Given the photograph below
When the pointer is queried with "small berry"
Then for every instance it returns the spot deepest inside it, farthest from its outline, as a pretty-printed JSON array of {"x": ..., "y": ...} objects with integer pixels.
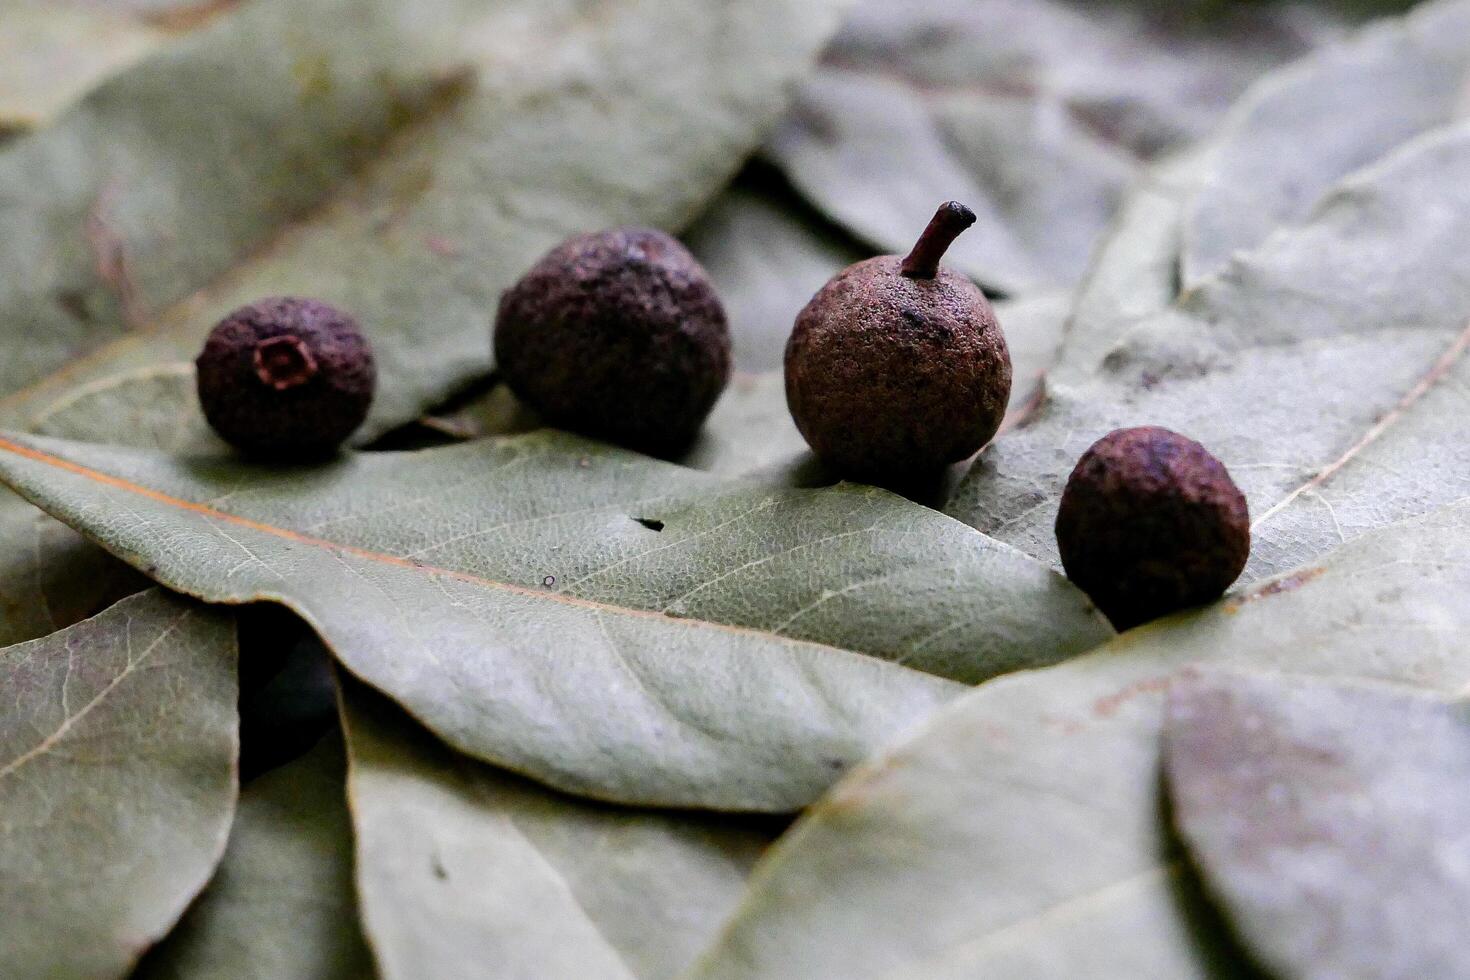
[
  {"x": 618, "y": 335},
  {"x": 897, "y": 367},
  {"x": 1151, "y": 523},
  {"x": 286, "y": 378}
]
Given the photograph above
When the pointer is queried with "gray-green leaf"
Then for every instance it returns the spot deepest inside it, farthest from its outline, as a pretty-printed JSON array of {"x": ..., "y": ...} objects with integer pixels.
[
  {"x": 1330, "y": 818},
  {"x": 465, "y": 870},
  {"x": 606, "y": 623},
  {"x": 1036, "y": 113},
  {"x": 51, "y": 577},
  {"x": 767, "y": 262},
  {"x": 117, "y": 783},
  {"x": 1021, "y": 833},
  {"x": 1301, "y": 130},
  {"x": 282, "y": 902}
]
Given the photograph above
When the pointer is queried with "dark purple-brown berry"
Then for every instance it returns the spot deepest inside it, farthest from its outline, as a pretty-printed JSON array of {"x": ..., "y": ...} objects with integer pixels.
[
  {"x": 286, "y": 378},
  {"x": 897, "y": 367},
  {"x": 618, "y": 335},
  {"x": 1151, "y": 523}
]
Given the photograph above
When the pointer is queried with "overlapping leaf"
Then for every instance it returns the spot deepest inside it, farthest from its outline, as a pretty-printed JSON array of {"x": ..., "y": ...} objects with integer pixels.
[
  {"x": 1135, "y": 271},
  {"x": 117, "y": 783},
  {"x": 1300, "y": 131},
  {"x": 1330, "y": 818},
  {"x": 461, "y": 866},
  {"x": 281, "y": 903},
  {"x": 1324, "y": 368},
  {"x": 1021, "y": 833},
  {"x": 605, "y": 623},
  {"x": 1037, "y": 113},
  {"x": 414, "y": 167},
  {"x": 50, "y": 577},
  {"x": 766, "y": 260}
]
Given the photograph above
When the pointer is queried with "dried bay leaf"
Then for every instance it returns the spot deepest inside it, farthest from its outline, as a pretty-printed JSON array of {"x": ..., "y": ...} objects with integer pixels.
[
  {"x": 461, "y": 866},
  {"x": 1300, "y": 130},
  {"x": 117, "y": 782},
  {"x": 1138, "y": 269},
  {"x": 766, "y": 261},
  {"x": 1329, "y": 818},
  {"x": 1021, "y": 832},
  {"x": 610, "y": 625},
  {"x": 838, "y": 144},
  {"x": 51, "y": 577},
  {"x": 281, "y": 903},
  {"x": 1036, "y": 114},
  {"x": 1135, "y": 272}
]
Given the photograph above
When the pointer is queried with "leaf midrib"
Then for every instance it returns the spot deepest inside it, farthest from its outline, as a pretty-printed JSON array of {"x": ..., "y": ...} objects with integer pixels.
[
  {"x": 1437, "y": 372},
  {"x": 378, "y": 557}
]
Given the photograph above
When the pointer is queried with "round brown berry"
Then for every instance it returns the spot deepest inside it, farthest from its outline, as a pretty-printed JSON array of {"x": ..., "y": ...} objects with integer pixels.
[
  {"x": 897, "y": 367},
  {"x": 286, "y": 378},
  {"x": 618, "y": 335},
  {"x": 1151, "y": 523}
]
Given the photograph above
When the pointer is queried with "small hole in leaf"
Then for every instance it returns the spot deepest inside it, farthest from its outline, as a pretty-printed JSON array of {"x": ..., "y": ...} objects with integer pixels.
[
  {"x": 650, "y": 523},
  {"x": 74, "y": 303}
]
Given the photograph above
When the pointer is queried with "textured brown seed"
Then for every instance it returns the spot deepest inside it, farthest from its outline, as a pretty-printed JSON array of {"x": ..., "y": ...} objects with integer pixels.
[
  {"x": 618, "y": 335},
  {"x": 286, "y": 378},
  {"x": 1151, "y": 523},
  {"x": 897, "y": 367}
]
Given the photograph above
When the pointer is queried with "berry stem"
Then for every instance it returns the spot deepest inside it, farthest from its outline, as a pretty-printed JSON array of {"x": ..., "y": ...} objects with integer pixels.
[{"x": 946, "y": 225}]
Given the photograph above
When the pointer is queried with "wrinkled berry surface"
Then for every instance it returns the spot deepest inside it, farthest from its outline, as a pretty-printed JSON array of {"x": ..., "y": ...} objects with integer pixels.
[
  {"x": 286, "y": 378},
  {"x": 1151, "y": 523},
  {"x": 891, "y": 378},
  {"x": 618, "y": 335}
]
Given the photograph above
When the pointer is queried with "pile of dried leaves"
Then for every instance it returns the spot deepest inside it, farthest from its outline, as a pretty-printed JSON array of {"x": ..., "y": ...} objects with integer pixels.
[{"x": 579, "y": 694}]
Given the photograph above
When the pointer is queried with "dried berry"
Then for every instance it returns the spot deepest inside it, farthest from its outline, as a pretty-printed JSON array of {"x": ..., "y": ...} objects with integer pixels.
[
  {"x": 286, "y": 378},
  {"x": 897, "y": 367},
  {"x": 1151, "y": 523},
  {"x": 618, "y": 335}
]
